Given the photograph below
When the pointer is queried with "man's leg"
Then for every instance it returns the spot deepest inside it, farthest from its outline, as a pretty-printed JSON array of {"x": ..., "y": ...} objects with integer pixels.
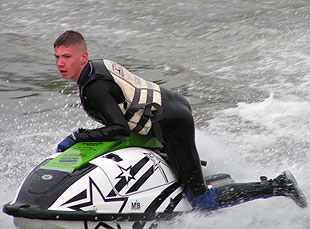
[
  {"x": 186, "y": 165},
  {"x": 283, "y": 185}
]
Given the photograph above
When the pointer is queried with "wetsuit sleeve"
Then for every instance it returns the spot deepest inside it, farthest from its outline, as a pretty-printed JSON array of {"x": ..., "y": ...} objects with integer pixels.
[{"x": 102, "y": 95}]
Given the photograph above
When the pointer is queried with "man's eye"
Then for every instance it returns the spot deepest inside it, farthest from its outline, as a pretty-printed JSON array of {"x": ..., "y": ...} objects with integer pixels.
[{"x": 66, "y": 57}]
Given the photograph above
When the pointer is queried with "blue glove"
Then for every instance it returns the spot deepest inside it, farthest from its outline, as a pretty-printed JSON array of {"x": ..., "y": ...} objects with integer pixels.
[{"x": 66, "y": 143}]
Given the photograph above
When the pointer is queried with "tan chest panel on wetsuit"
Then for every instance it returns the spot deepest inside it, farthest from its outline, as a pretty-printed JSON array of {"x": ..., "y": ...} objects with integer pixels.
[{"x": 142, "y": 97}]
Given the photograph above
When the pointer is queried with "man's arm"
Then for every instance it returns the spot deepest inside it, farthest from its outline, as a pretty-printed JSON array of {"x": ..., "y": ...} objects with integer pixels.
[{"x": 104, "y": 96}]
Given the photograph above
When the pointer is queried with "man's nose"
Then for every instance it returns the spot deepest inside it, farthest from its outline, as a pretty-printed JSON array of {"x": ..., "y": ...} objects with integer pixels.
[{"x": 60, "y": 62}]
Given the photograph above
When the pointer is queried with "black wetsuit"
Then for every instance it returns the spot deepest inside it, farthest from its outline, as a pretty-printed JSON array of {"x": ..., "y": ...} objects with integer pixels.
[
  {"x": 177, "y": 126},
  {"x": 102, "y": 96}
]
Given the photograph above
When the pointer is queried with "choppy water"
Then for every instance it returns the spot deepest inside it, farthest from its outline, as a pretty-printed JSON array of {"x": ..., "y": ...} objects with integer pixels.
[{"x": 244, "y": 66}]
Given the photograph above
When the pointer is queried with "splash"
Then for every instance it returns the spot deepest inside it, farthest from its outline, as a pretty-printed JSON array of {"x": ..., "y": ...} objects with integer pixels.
[{"x": 284, "y": 117}]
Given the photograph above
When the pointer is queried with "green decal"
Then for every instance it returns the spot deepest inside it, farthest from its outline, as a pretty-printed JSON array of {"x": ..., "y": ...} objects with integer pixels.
[
  {"x": 78, "y": 155},
  {"x": 83, "y": 152}
]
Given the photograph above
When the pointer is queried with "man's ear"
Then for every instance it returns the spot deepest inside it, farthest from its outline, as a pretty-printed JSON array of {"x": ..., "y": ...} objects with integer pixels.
[{"x": 84, "y": 58}]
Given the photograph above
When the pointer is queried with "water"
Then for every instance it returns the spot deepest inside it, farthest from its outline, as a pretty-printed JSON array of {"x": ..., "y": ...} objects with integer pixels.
[{"x": 243, "y": 65}]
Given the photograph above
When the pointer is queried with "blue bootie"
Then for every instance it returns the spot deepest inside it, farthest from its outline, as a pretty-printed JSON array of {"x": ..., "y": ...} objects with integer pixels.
[{"x": 205, "y": 202}]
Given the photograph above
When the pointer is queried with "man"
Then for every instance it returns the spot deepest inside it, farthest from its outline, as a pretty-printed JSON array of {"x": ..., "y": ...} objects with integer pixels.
[{"x": 124, "y": 102}]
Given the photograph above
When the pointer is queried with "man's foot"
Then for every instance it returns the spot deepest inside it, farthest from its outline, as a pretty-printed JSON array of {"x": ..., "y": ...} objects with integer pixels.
[
  {"x": 205, "y": 202},
  {"x": 286, "y": 185}
]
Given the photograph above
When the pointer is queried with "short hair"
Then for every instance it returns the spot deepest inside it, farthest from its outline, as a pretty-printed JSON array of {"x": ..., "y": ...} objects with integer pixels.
[{"x": 70, "y": 37}]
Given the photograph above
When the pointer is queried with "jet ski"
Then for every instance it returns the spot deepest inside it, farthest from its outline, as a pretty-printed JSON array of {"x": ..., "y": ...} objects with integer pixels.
[{"x": 119, "y": 184}]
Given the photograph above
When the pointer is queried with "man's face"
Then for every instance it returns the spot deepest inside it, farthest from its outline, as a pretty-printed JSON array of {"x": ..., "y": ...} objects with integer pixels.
[{"x": 69, "y": 62}]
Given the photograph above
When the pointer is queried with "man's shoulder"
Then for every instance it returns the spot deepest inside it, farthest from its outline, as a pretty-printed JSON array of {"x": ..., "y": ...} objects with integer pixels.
[{"x": 99, "y": 70}]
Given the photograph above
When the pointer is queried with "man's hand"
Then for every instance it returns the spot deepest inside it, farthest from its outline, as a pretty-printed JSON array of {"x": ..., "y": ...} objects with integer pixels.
[{"x": 66, "y": 143}]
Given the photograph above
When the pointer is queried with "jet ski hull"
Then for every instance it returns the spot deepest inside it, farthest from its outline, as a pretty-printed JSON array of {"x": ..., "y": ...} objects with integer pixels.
[{"x": 132, "y": 187}]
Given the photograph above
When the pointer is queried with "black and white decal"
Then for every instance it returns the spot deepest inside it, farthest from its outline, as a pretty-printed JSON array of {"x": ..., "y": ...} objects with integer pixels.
[
  {"x": 89, "y": 201},
  {"x": 128, "y": 188}
]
